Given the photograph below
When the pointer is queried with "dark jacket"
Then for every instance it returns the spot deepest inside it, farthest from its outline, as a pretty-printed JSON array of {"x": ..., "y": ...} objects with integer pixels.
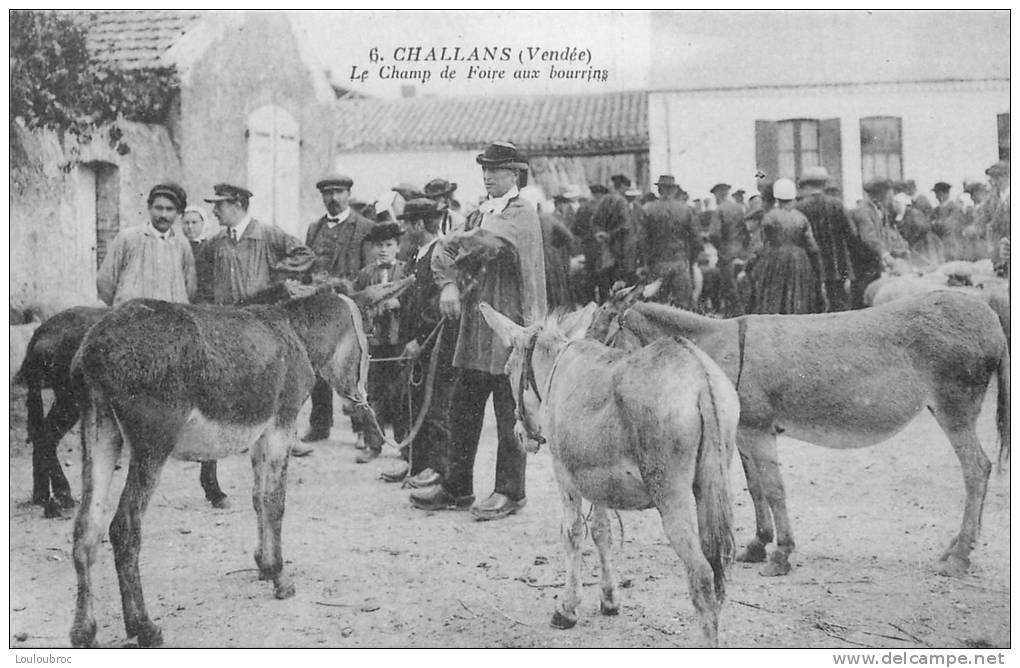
[
  {"x": 831, "y": 229},
  {"x": 351, "y": 253}
]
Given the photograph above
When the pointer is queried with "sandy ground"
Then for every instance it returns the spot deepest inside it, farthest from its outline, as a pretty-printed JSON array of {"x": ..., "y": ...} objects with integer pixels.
[{"x": 371, "y": 571}]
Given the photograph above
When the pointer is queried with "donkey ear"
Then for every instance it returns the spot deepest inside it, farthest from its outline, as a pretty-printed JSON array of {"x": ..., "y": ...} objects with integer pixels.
[
  {"x": 651, "y": 289},
  {"x": 506, "y": 329},
  {"x": 578, "y": 322}
]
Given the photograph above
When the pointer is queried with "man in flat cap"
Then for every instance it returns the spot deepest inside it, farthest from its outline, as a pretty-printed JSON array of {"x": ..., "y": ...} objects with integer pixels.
[
  {"x": 831, "y": 230},
  {"x": 152, "y": 260},
  {"x": 584, "y": 232},
  {"x": 993, "y": 216},
  {"x": 727, "y": 233},
  {"x": 869, "y": 246},
  {"x": 498, "y": 259},
  {"x": 338, "y": 242},
  {"x": 246, "y": 255},
  {"x": 948, "y": 221},
  {"x": 670, "y": 242}
]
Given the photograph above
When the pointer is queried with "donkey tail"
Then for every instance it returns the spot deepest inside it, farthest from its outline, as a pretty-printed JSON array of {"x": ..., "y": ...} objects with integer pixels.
[
  {"x": 1002, "y": 409},
  {"x": 712, "y": 490},
  {"x": 31, "y": 376}
]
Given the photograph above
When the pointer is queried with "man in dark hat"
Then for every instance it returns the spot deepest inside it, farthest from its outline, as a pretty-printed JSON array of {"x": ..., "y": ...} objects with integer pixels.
[
  {"x": 441, "y": 192},
  {"x": 948, "y": 221},
  {"x": 431, "y": 346},
  {"x": 382, "y": 325},
  {"x": 869, "y": 227},
  {"x": 338, "y": 241},
  {"x": 670, "y": 242},
  {"x": 151, "y": 261},
  {"x": 582, "y": 227},
  {"x": 246, "y": 255},
  {"x": 727, "y": 233},
  {"x": 612, "y": 230},
  {"x": 831, "y": 230},
  {"x": 498, "y": 259}
]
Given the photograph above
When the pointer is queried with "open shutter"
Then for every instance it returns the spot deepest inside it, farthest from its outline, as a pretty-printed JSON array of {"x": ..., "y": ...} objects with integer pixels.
[
  {"x": 831, "y": 147},
  {"x": 766, "y": 136}
]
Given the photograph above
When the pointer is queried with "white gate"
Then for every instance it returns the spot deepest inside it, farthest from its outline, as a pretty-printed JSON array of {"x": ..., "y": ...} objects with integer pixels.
[{"x": 274, "y": 154}]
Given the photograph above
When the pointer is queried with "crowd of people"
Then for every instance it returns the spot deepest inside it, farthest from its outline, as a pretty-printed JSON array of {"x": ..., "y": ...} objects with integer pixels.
[{"x": 789, "y": 248}]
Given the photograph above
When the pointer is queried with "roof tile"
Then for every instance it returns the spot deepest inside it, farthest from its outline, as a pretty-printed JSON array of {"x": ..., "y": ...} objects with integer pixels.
[{"x": 137, "y": 38}]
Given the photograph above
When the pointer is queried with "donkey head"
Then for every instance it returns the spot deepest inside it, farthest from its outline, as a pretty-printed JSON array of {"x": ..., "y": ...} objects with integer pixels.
[
  {"x": 606, "y": 322},
  {"x": 533, "y": 351}
]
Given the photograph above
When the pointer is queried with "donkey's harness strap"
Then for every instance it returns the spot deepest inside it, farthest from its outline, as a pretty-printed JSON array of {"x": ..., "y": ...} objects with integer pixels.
[{"x": 741, "y": 339}]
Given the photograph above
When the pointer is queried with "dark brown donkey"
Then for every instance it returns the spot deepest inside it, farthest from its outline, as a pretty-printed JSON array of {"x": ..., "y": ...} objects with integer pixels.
[
  {"x": 844, "y": 380},
  {"x": 200, "y": 383}
]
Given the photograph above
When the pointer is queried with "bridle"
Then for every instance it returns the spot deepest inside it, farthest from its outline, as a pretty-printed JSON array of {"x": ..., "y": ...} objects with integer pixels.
[{"x": 527, "y": 381}]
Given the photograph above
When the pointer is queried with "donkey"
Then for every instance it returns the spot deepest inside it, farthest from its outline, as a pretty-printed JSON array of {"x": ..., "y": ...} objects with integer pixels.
[
  {"x": 653, "y": 428},
  {"x": 200, "y": 383},
  {"x": 843, "y": 380},
  {"x": 47, "y": 364}
]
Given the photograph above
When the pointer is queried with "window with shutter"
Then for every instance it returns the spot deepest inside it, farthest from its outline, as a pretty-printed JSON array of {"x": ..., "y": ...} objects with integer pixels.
[
  {"x": 882, "y": 148},
  {"x": 274, "y": 165},
  {"x": 1003, "y": 121},
  {"x": 785, "y": 148}
]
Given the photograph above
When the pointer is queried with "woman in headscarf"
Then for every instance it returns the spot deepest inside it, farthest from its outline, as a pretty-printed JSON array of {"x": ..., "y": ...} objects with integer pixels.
[
  {"x": 193, "y": 225},
  {"x": 785, "y": 276}
]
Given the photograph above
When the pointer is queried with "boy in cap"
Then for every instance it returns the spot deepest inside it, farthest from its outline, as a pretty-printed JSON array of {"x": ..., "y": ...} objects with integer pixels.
[
  {"x": 382, "y": 323},
  {"x": 152, "y": 260},
  {"x": 441, "y": 192}
]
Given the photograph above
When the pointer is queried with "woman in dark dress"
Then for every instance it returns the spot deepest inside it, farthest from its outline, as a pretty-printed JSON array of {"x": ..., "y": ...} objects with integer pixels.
[{"x": 785, "y": 276}]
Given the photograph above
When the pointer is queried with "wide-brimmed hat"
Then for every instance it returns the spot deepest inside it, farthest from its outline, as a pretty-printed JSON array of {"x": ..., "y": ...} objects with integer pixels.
[
  {"x": 973, "y": 185},
  {"x": 502, "y": 154},
  {"x": 815, "y": 174},
  {"x": 720, "y": 186},
  {"x": 407, "y": 191},
  {"x": 417, "y": 209},
  {"x": 879, "y": 185},
  {"x": 171, "y": 191},
  {"x": 941, "y": 187},
  {"x": 598, "y": 189},
  {"x": 334, "y": 181},
  {"x": 1001, "y": 168},
  {"x": 384, "y": 231},
  {"x": 571, "y": 193},
  {"x": 439, "y": 187},
  {"x": 666, "y": 180},
  {"x": 225, "y": 192},
  {"x": 620, "y": 179}
]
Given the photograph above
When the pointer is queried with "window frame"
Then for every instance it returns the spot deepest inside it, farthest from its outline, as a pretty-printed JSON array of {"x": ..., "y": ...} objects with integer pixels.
[{"x": 870, "y": 148}]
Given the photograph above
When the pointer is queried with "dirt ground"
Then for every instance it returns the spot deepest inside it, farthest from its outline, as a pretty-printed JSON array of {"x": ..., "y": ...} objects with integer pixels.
[{"x": 371, "y": 571}]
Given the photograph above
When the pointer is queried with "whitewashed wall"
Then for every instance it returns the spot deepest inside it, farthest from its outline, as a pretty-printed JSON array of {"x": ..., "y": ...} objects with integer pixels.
[{"x": 950, "y": 130}]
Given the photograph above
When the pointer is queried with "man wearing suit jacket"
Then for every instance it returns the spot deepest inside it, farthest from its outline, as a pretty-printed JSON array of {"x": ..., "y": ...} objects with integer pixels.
[
  {"x": 868, "y": 248},
  {"x": 338, "y": 242}
]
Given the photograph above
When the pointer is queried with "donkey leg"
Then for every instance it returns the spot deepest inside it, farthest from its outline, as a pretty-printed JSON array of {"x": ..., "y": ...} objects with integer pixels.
[
  {"x": 602, "y": 534},
  {"x": 101, "y": 445},
  {"x": 766, "y": 456},
  {"x": 680, "y": 523},
  {"x": 571, "y": 530},
  {"x": 755, "y": 551},
  {"x": 62, "y": 416},
  {"x": 269, "y": 464},
  {"x": 976, "y": 469},
  {"x": 126, "y": 538},
  {"x": 211, "y": 485}
]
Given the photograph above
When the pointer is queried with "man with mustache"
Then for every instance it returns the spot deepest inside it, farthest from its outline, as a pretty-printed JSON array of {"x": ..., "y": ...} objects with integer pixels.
[{"x": 150, "y": 261}]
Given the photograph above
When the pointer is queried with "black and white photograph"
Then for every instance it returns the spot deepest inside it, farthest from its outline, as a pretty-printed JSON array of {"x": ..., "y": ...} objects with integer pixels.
[{"x": 510, "y": 328}]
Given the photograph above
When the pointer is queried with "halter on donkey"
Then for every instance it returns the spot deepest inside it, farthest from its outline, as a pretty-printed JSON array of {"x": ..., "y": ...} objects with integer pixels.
[
  {"x": 199, "y": 383},
  {"x": 624, "y": 447}
]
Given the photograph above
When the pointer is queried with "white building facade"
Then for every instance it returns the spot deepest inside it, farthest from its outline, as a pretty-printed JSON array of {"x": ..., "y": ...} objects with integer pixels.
[{"x": 928, "y": 131}]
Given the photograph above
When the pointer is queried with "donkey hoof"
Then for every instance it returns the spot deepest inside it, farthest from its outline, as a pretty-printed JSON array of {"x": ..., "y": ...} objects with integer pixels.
[
  {"x": 51, "y": 510},
  {"x": 284, "y": 589},
  {"x": 150, "y": 635},
  {"x": 220, "y": 503},
  {"x": 954, "y": 566},
  {"x": 752, "y": 554},
  {"x": 561, "y": 621},
  {"x": 84, "y": 636},
  {"x": 608, "y": 609},
  {"x": 65, "y": 500},
  {"x": 775, "y": 567}
]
